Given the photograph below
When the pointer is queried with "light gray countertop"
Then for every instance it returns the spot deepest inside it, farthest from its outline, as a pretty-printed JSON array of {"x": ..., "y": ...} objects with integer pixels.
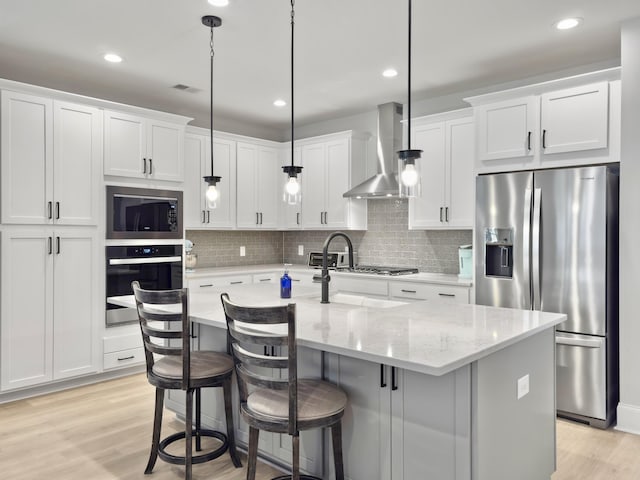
[
  {"x": 422, "y": 277},
  {"x": 428, "y": 337}
]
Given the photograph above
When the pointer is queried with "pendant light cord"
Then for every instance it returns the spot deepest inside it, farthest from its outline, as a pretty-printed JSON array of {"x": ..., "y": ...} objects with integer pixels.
[
  {"x": 409, "y": 86},
  {"x": 292, "y": 27},
  {"x": 211, "y": 98}
]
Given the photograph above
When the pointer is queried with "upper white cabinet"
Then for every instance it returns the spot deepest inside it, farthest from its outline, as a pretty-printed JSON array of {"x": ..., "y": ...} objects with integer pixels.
[
  {"x": 50, "y": 305},
  {"x": 140, "y": 147},
  {"x": 197, "y": 161},
  {"x": 258, "y": 186},
  {"x": 332, "y": 165},
  {"x": 446, "y": 166},
  {"x": 505, "y": 129},
  {"x": 567, "y": 122},
  {"x": 575, "y": 119},
  {"x": 51, "y": 161}
]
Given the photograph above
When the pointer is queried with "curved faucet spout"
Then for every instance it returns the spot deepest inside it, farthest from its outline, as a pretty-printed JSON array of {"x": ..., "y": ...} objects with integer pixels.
[{"x": 325, "y": 262}]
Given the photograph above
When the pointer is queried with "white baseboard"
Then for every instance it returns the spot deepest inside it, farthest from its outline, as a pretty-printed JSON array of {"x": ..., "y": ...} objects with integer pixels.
[{"x": 628, "y": 418}]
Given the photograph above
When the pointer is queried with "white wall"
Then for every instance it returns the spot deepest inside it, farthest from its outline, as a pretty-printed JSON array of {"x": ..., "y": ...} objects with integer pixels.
[{"x": 629, "y": 407}]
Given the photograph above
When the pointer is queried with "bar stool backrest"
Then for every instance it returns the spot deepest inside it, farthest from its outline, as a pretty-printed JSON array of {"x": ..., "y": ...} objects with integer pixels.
[
  {"x": 275, "y": 326},
  {"x": 164, "y": 316}
]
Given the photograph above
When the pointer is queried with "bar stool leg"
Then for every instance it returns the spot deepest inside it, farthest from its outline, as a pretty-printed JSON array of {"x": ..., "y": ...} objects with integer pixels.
[
  {"x": 253, "y": 453},
  {"x": 228, "y": 410},
  {"x": 157, "y": 423},
  {"x": 336, "y": 440},
  {"x": 295, "y": 467},
  {"x": 198, "y": 420},
  {"x": 188, "y": 429}
]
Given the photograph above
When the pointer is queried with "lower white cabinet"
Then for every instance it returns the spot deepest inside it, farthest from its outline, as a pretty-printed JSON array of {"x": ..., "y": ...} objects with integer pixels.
[
  {"x": 122, "y": 349},
  {"x": 50, "y": 306},
  {"x": 428, "y": 291},
  {"x": 202, "y": 283},
  {"x": 401, "y": 424}
]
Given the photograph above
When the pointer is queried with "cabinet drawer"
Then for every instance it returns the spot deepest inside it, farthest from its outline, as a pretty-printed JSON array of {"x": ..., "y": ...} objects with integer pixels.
[
  {"x": 216, "y": 281},
  {"x": 359, "y": 285},
  {"x": 271, "y": 277},
  {"x": 426, "y": 291},
  {"x": 122, "y": 342},
  {"x": 124, "y": 358}
]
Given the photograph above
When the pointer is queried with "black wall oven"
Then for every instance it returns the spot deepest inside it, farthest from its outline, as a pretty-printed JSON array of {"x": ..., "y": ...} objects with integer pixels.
[
  {"x": 156, "y": 267},
  {"x": 141, "y": 213}
]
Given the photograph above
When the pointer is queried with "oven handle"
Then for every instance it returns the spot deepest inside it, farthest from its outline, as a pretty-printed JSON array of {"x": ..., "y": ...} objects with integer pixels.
[{"x": 138, "y": 261}]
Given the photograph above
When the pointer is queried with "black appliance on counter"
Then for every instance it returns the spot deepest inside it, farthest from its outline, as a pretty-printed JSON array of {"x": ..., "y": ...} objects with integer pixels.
[{"x": 156, "y": 267}]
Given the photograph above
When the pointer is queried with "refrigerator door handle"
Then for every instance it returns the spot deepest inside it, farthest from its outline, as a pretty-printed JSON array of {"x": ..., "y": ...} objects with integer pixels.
[
  {"x": 535, "y": 248},
  {"x": 526, "y": 236},
  {"x": 580, "y": 342}
]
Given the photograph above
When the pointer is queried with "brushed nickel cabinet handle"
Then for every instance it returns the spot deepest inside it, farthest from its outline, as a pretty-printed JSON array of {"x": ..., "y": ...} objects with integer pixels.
[
  {"x": 120, "y": 359},
  {"x": 236, "y": 282},
  {"x": 446, "y": 214},
  {"x": 447, "y": 294},
  {"x": 151, "y": 166},
  {"x": 206, "y": 285},
  {"x": 58, "y": 245},
  {"x": 50, "y": 245},
  {"x": 204, "y": 216},
  {"x": 50, "y": 210},
  {"x": 383, "y": 381},
  {"x": 408, "y": 291},
  {"x": 394, "y": 380},
  {"x": 544, "y": 139},
  {"x": 440, "y": 213},
  {"x": 57, "y": 210},
  {"x": 208, "y": 216},
  {"x": 529, "y": 140},
  {"x": 144, "y": 165}
]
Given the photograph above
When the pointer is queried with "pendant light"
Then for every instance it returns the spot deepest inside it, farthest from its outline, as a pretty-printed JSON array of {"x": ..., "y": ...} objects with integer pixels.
[
  {"x": 292, "y": 186},
  {"x": 212, "y": 194},
  {"x": 409, "y": 171}
]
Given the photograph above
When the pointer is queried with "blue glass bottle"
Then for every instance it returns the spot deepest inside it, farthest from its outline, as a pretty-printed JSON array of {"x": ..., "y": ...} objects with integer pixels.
[{"x": 285, "y": 285}]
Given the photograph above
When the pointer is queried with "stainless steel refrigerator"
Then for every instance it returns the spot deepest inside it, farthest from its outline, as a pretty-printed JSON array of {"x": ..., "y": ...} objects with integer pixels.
[{"x": 548, "y": 240}]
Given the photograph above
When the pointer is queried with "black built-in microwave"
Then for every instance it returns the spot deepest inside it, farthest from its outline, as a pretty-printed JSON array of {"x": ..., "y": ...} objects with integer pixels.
[{"x": 141, "y": 213}]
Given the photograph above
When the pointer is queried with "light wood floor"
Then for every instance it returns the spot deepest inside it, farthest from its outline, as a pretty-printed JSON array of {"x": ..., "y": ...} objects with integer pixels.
[{"x": 103, "y": 431}]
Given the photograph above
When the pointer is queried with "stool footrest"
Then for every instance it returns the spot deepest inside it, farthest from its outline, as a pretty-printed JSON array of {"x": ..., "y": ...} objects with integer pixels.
[
  {"x": 201, "y": 458},
  {"x": 302, "y": 477}
]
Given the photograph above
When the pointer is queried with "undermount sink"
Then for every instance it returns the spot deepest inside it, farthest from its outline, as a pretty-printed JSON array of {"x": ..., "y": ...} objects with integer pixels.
[{"x": 362, "y": 301}]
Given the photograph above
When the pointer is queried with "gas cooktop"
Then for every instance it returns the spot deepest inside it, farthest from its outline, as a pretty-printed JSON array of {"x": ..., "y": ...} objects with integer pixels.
[{"x": 379, "y": 270}]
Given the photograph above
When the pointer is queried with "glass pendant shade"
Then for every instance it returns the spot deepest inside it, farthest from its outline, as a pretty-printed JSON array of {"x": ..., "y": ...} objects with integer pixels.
[
  {"x": 409, "y": 168},
  {"x": 212, "y": 194},
  {"x": 292, "y": 185}
]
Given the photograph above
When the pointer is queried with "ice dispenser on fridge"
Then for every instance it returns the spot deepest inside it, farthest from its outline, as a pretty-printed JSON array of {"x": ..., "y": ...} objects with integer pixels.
[{"x": 498, "y": 251}]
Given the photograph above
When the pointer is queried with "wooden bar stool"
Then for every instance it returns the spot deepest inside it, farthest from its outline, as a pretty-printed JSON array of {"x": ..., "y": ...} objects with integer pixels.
[
  {"x": 166, "y": 334},
  {"x": 279, "y": 403}
]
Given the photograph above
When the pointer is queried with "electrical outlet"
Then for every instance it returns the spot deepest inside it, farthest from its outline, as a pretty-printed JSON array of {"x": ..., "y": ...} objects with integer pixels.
[
  {"x": 243, "y": 251},
  {"x": 300, "y": 250},
  {"x": 523, "y": 386}
]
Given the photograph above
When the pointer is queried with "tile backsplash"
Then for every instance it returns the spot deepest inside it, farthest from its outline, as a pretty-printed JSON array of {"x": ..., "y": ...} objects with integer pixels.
[{"x": 388, "y": 241}]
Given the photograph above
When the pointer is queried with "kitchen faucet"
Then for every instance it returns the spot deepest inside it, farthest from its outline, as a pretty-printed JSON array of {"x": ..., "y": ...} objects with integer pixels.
[{"x": 325, "y": 278}]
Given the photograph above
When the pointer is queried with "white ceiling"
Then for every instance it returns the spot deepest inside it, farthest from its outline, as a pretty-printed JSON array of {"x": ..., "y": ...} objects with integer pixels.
[{"x": 342, "y": 46}]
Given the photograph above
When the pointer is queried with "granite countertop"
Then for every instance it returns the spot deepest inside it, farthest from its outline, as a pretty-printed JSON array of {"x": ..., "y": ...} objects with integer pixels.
[
  {"x": 428, "y": 337},
  {"x": 422, "y": 277}
]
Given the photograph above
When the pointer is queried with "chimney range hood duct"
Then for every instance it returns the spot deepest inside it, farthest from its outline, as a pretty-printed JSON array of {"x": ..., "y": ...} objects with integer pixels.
[{"x": 385, "y": 183}]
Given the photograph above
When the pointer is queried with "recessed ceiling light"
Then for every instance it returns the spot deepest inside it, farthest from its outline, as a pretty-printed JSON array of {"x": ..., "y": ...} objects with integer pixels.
[
  {"x": 567, "y": 23},
  {"x": 219, "y": 3},
  {"x": 113, "y": 58},
  {"x": 390, "y": 72},
  {"x": 279, "y": 103}
]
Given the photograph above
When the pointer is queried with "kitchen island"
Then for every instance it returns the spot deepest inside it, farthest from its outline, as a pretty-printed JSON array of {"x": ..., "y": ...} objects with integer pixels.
[{"x": 436, "y": 390}]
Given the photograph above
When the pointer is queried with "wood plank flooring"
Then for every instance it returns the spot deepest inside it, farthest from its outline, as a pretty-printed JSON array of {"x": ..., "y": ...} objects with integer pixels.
[{"x": 103, "y": 431}]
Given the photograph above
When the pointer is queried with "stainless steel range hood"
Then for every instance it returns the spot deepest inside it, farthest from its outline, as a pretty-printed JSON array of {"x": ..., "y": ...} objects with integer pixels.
[{"x": 385, "y": 183}]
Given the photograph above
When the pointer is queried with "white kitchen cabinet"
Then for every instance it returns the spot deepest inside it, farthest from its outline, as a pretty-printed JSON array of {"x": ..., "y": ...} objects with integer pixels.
[
  {"x": 51, "y": 161},
  {"x": 258, "y": 186},
  {"x": 396, "y": 427},
  {"x": 49, "y": 305},
  {"x": 332, "y": 165},
  {"x": 122, "y": 347},
  {"x": 567, "y": 122},
  {"x": 145, "y": 148},
  {"x": 575, "y": 119},
  {"x": 198, "y": 165},
  {"x": 402, "y": 290},
  {"x": 446, "y": 166},
  {"x": 371, "y": 287},
  {"x": 507, "y": 129},
  {"x": 202, "y": 283}
]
